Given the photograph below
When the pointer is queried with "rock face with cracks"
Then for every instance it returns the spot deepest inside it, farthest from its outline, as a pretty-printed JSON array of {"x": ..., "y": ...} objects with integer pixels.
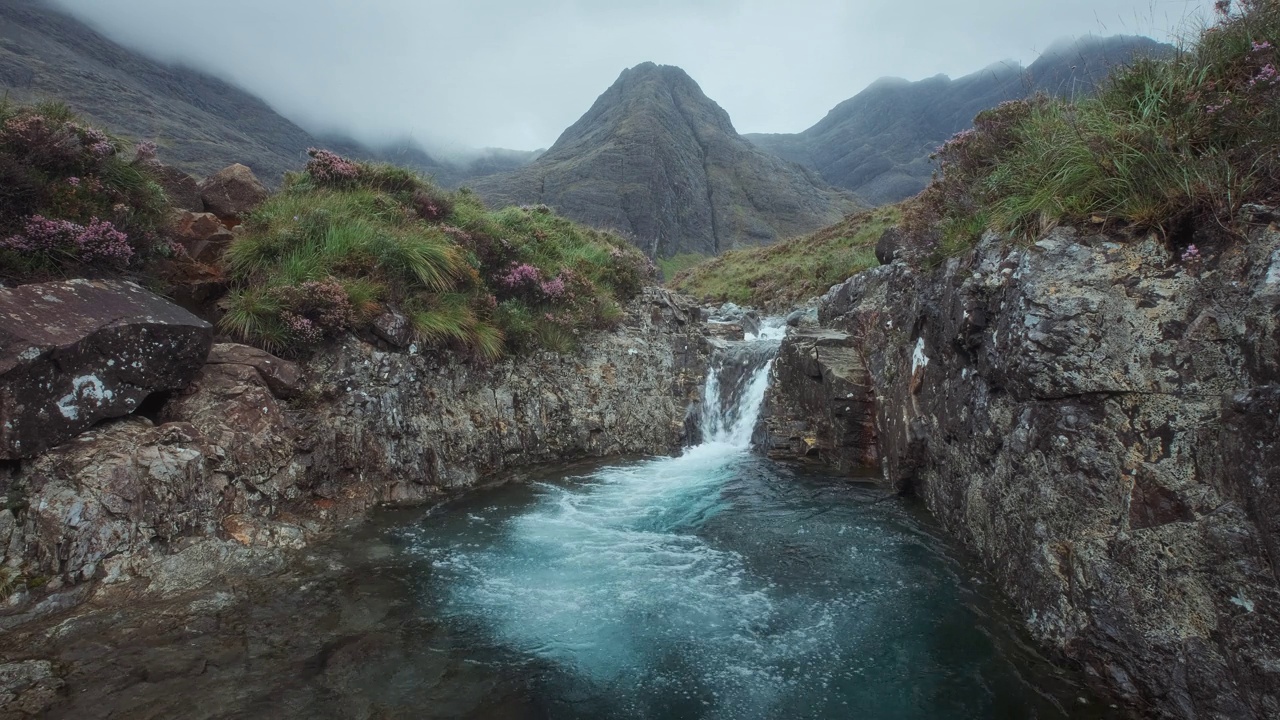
[
  {"x": 77, "y": 352},
  {"x": 1099, "y": 423}
]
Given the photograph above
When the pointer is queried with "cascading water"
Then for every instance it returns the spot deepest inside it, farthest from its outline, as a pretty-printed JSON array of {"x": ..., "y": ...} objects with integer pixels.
[
  {"x": 718, "y": 585},
  {"x": 729, "y": 413}
]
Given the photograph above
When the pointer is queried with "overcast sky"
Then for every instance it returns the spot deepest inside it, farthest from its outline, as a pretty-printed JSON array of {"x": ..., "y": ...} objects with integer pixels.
[{"x": 515, "y": 73}]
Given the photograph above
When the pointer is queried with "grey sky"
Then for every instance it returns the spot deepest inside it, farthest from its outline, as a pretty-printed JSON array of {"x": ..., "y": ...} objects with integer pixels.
[{"x": 515, "y": 73}]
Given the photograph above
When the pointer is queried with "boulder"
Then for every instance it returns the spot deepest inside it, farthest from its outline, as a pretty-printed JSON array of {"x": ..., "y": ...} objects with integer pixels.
[
  {"x": 394, "y": 328},
  {"x": 888, "y": 245},
  {"x": 803, "y": 317},
  {"x": 182, "y": 190},
  {"x": 75, "y": 352},
  {"x": 202, "y": 235},
  {"x": 282, "y": 378},
  {"x": 232, "y": 192}
]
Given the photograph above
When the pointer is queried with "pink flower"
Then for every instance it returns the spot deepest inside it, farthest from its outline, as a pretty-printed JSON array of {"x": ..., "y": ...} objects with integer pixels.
[
  {"x": 99, "y": 242},
  {"x": 1267, "y": 76},
  {"x": 73, "y": 182},
  {"x": 329, "y": 167}
]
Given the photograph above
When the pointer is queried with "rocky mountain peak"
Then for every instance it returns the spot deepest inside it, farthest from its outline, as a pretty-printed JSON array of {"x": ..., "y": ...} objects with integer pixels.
[{"x": 659, "y": 161}]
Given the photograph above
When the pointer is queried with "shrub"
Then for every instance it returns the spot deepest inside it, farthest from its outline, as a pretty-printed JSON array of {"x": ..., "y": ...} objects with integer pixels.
[{"x": 68, "y": 198}]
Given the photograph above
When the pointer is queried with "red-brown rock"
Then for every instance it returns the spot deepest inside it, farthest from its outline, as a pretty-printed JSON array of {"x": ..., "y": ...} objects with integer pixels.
[
  {"x": 76, "y": 352},
  {"x": 282, "y": 378},
  {"x": 182, "y": 190},
  {"x": 232, "y": 193},
  {"x": 202, "y": 235}
]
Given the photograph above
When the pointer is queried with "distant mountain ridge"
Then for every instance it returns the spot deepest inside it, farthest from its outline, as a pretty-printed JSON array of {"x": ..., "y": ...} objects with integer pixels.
[
  {"x": 657, "y": 159},
  {"x": 877, "y": 144},
  {"x": 201, "y": 123}
]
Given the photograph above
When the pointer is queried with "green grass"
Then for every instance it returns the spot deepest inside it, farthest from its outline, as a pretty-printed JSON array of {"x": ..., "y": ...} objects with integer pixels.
[
  {"x": 331, "y": 252},
  {"x": 677, "y": 264},
  {"x": 1166, "y": 143},
  {"x": 792, "y": 271}
]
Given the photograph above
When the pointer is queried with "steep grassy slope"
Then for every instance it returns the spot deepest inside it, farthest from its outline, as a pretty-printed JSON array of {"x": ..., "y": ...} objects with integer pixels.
[
  {"x": 788, "y": 273},
  {"x": 657, "y": 160}
]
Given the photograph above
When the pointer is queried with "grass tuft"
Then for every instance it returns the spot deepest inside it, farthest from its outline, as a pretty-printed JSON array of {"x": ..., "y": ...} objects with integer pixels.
[{"x": 1186, "y": 139}]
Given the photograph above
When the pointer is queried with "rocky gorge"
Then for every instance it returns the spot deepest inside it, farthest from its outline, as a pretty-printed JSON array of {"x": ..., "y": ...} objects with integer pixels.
[
  {"x": 1097, "y": 421},
  {"x": 220, "y": 450}
]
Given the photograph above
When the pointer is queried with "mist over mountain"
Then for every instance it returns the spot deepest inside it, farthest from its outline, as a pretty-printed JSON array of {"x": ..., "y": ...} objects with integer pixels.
[
  {"x": 200, "y": 122},
  {"x": 657, "y": 159},
  {"x": 878, "y": 142}
]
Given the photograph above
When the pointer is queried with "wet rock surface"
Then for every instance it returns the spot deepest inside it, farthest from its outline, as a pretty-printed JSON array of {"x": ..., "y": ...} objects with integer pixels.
[
  {"x": 77, "y": 352},
  {"x": 219, "y": 632},
  {"x": 820, "y": 406},
  {"x": 1099, "y": 423}
]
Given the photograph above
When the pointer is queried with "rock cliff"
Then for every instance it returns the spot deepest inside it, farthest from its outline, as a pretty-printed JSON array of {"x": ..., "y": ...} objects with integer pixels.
[
  {"x": 266, "y": 454},
  {"x": 1098, "y": 421}
]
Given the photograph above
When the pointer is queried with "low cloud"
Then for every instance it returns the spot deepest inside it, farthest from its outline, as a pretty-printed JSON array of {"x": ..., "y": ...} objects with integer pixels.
[{"x": 510, "y": 73}]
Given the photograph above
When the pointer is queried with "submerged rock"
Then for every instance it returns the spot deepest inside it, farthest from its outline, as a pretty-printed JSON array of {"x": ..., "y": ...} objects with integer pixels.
[{"x": 77, "y": 352}]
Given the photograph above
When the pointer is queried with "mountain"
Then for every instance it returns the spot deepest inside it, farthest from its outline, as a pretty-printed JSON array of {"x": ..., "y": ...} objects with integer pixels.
[
  {"x": 656, "y": 159},
  {"x": 201, "y": 123},
  {"x": 878, "y": 143}
]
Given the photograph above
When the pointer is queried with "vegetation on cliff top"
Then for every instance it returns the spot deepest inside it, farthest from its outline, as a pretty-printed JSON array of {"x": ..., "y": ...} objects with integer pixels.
[
  {"x": 1166, "y": 144},
  {"x": 792, "y": 271},
  {"x": 70, "y": 202},
  {"x": 344, "y": 241}
]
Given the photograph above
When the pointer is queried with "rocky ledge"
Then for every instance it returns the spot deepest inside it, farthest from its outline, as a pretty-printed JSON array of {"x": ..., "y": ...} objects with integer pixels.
[
  {"x": 1098, "y": 421},
  {"x": 259, "y": 454}
]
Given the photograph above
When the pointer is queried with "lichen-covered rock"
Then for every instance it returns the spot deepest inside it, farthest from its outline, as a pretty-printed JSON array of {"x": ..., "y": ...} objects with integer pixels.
[
  {"x": 232, "y": 193},
  {"x": 395, "y": 328},
  {"x": 77, "y": 352},
  {"x": 28, "y": 688},
  {"x": 1099, "y": 423},
  {"x": 120, "y": 490}
]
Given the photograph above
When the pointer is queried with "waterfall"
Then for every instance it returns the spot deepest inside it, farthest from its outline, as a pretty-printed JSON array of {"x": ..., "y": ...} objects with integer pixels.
[{"x": 736, "y": 385}]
